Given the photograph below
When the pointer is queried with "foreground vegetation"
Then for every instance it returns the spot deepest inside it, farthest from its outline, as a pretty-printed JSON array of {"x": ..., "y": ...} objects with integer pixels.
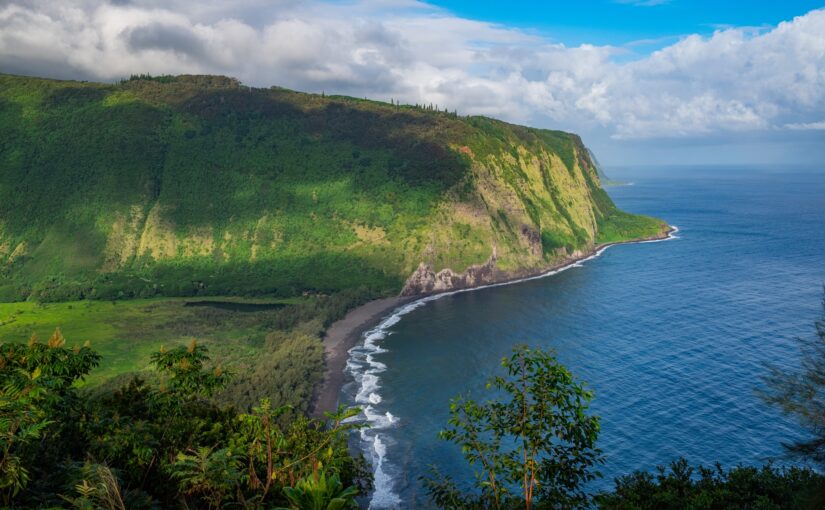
[
  {"x": 166, "y": 446},
  {"x": 679, "y": 486}
]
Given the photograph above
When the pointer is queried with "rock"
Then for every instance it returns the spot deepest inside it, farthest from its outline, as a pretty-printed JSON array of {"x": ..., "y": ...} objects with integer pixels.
[
  {"x": 425, "y": 280},
  {"x": 533, "y": 238}
]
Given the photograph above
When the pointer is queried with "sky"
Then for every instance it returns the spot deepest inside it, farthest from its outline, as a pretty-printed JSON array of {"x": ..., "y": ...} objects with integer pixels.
[{"x": 644, "y": 82}]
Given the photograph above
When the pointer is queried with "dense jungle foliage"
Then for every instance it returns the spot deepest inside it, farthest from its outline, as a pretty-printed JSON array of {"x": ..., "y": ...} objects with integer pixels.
[
  {"x": 159, "y": 446},
  {"x": 679, "y": 486}
]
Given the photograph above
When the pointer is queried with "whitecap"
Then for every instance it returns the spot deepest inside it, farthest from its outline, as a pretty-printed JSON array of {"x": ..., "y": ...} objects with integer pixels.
[
  {"x": 378, "y": 420},
  {"x": 376, "y": 366},
  {"x": 369, "y": 384},
  {"x": 383, "y": 495}
]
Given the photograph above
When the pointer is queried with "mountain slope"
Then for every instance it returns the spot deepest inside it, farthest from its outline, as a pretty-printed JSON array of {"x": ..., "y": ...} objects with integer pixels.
[
  {"x": 603, "y": 178},
  {"x": 199, "y": 185}
]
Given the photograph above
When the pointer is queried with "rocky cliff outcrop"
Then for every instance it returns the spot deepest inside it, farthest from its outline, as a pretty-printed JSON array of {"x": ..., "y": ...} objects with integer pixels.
[{"x": 426, "y": 281}]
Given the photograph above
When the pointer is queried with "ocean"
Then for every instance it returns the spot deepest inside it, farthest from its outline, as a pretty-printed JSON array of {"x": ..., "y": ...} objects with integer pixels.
[{"x": 671, "y": 336}]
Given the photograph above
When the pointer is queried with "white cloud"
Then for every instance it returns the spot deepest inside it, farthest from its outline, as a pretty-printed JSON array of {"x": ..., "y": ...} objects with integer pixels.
[
  {"x": 736, "y": 80},
  {"x": 806, "y": 126}
]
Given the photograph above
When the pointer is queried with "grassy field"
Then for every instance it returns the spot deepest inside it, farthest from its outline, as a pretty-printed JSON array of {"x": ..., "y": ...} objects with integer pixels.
[
  {"x": 127, "y": 332},
  {"x": 272, "y": 347},
  {"x": 621, "y": 226}
]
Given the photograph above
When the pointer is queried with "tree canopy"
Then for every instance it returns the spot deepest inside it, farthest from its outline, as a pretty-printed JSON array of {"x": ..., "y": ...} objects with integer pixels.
[{"x": 533, "y": 443}]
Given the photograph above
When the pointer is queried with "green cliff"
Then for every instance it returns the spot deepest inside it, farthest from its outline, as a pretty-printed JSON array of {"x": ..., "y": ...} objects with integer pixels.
[{"x": 198, "y": 185}]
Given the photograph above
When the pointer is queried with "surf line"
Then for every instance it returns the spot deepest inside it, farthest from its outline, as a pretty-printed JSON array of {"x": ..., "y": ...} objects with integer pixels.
[{"x": 365, "y": 371}]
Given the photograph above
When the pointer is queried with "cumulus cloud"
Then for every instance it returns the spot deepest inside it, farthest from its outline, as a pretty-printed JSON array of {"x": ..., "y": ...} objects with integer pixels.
[{"x": 735, "y": 80}]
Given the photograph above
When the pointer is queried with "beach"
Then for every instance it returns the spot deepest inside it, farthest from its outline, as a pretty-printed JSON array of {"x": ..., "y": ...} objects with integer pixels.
[{"x": 339, "y": 338}]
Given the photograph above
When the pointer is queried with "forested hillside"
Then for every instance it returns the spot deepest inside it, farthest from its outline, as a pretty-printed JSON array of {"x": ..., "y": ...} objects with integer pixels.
[{"x": 198, "y": 185}]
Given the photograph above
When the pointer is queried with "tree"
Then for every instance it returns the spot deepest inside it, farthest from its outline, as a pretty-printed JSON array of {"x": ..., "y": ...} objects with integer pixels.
[
  {"x": 97, "y": 490},
  {"x": 300, "y": 454},
  {"x": 21, "y": 422},
  {"x": 37, "y": 398},
  {"x": 208, "y": 473},
  {"x": 185, "y": 368},
  {"x": 801, "y": 393},
  {"x": 321, "y": 493},
  {"x": 534, "y": 443}
]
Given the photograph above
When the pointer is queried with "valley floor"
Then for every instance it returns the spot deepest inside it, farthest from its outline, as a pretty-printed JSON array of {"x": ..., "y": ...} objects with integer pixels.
[
  {"x": 127, "y": 332},
  {"x": 270, "y": 346}
]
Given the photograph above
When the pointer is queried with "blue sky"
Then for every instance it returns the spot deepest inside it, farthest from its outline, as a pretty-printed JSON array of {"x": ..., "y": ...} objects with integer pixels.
[
  {"x": 612, "y": 22},
  {"x": 642, "y": 81}
]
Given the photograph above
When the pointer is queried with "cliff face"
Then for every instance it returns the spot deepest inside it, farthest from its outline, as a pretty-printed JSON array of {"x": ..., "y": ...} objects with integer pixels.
[
  {"x": 425, "y": 280},
  {"x": 199, "y": 185}
]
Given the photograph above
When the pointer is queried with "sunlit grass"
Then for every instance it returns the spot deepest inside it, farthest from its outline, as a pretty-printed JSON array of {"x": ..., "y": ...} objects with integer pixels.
[{"x": 125, "y": 333}]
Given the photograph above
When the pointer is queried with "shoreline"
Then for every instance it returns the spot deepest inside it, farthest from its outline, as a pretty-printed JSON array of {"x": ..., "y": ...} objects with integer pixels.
[
  {"x": 338, "y": 339},
  {"x": 345, "y": 333}
]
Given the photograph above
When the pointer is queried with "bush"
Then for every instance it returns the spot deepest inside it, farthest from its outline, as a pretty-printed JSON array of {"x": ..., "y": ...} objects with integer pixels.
[{"x": 680, "y": 487}]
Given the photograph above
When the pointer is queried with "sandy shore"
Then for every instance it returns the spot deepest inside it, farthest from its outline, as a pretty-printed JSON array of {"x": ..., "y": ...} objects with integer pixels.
[
  {"x": 344, "y": 334},
  {"x": 340, "y": 337}
]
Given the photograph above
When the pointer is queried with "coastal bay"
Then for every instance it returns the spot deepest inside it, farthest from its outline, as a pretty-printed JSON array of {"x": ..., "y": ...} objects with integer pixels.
[{"x": 627, "y": 323}]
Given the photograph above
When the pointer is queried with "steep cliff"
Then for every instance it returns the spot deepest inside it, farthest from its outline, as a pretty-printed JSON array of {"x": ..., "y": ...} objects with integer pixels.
[{"x": 199, "y": 185}]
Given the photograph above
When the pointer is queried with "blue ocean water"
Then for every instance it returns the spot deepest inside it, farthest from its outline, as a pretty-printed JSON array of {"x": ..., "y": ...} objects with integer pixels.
[{"x": 671, "y": 336}]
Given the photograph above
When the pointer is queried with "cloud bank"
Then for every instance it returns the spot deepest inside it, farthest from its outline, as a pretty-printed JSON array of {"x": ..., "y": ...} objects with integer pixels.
[{"x": 738, "y": 80}]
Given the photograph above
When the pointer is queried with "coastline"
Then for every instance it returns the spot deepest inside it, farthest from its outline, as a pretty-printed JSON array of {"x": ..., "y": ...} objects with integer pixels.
[
  {"x": 338, "y": 339},
  {"x": 345, "y": 333}
]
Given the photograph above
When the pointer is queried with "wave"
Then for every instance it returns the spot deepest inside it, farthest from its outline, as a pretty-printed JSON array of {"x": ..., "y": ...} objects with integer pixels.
[
  {"x": 365, "y": 370},
  {"x": 382, "y": 498},
  {"x": 670, "y": 236}
]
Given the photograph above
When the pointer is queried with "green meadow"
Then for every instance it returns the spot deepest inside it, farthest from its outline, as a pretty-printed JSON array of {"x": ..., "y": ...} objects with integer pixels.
[
  {"x": 125, "y": 333},
  {"x": 271, "y": 346},
  {"x": 620, "y": 226}
]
